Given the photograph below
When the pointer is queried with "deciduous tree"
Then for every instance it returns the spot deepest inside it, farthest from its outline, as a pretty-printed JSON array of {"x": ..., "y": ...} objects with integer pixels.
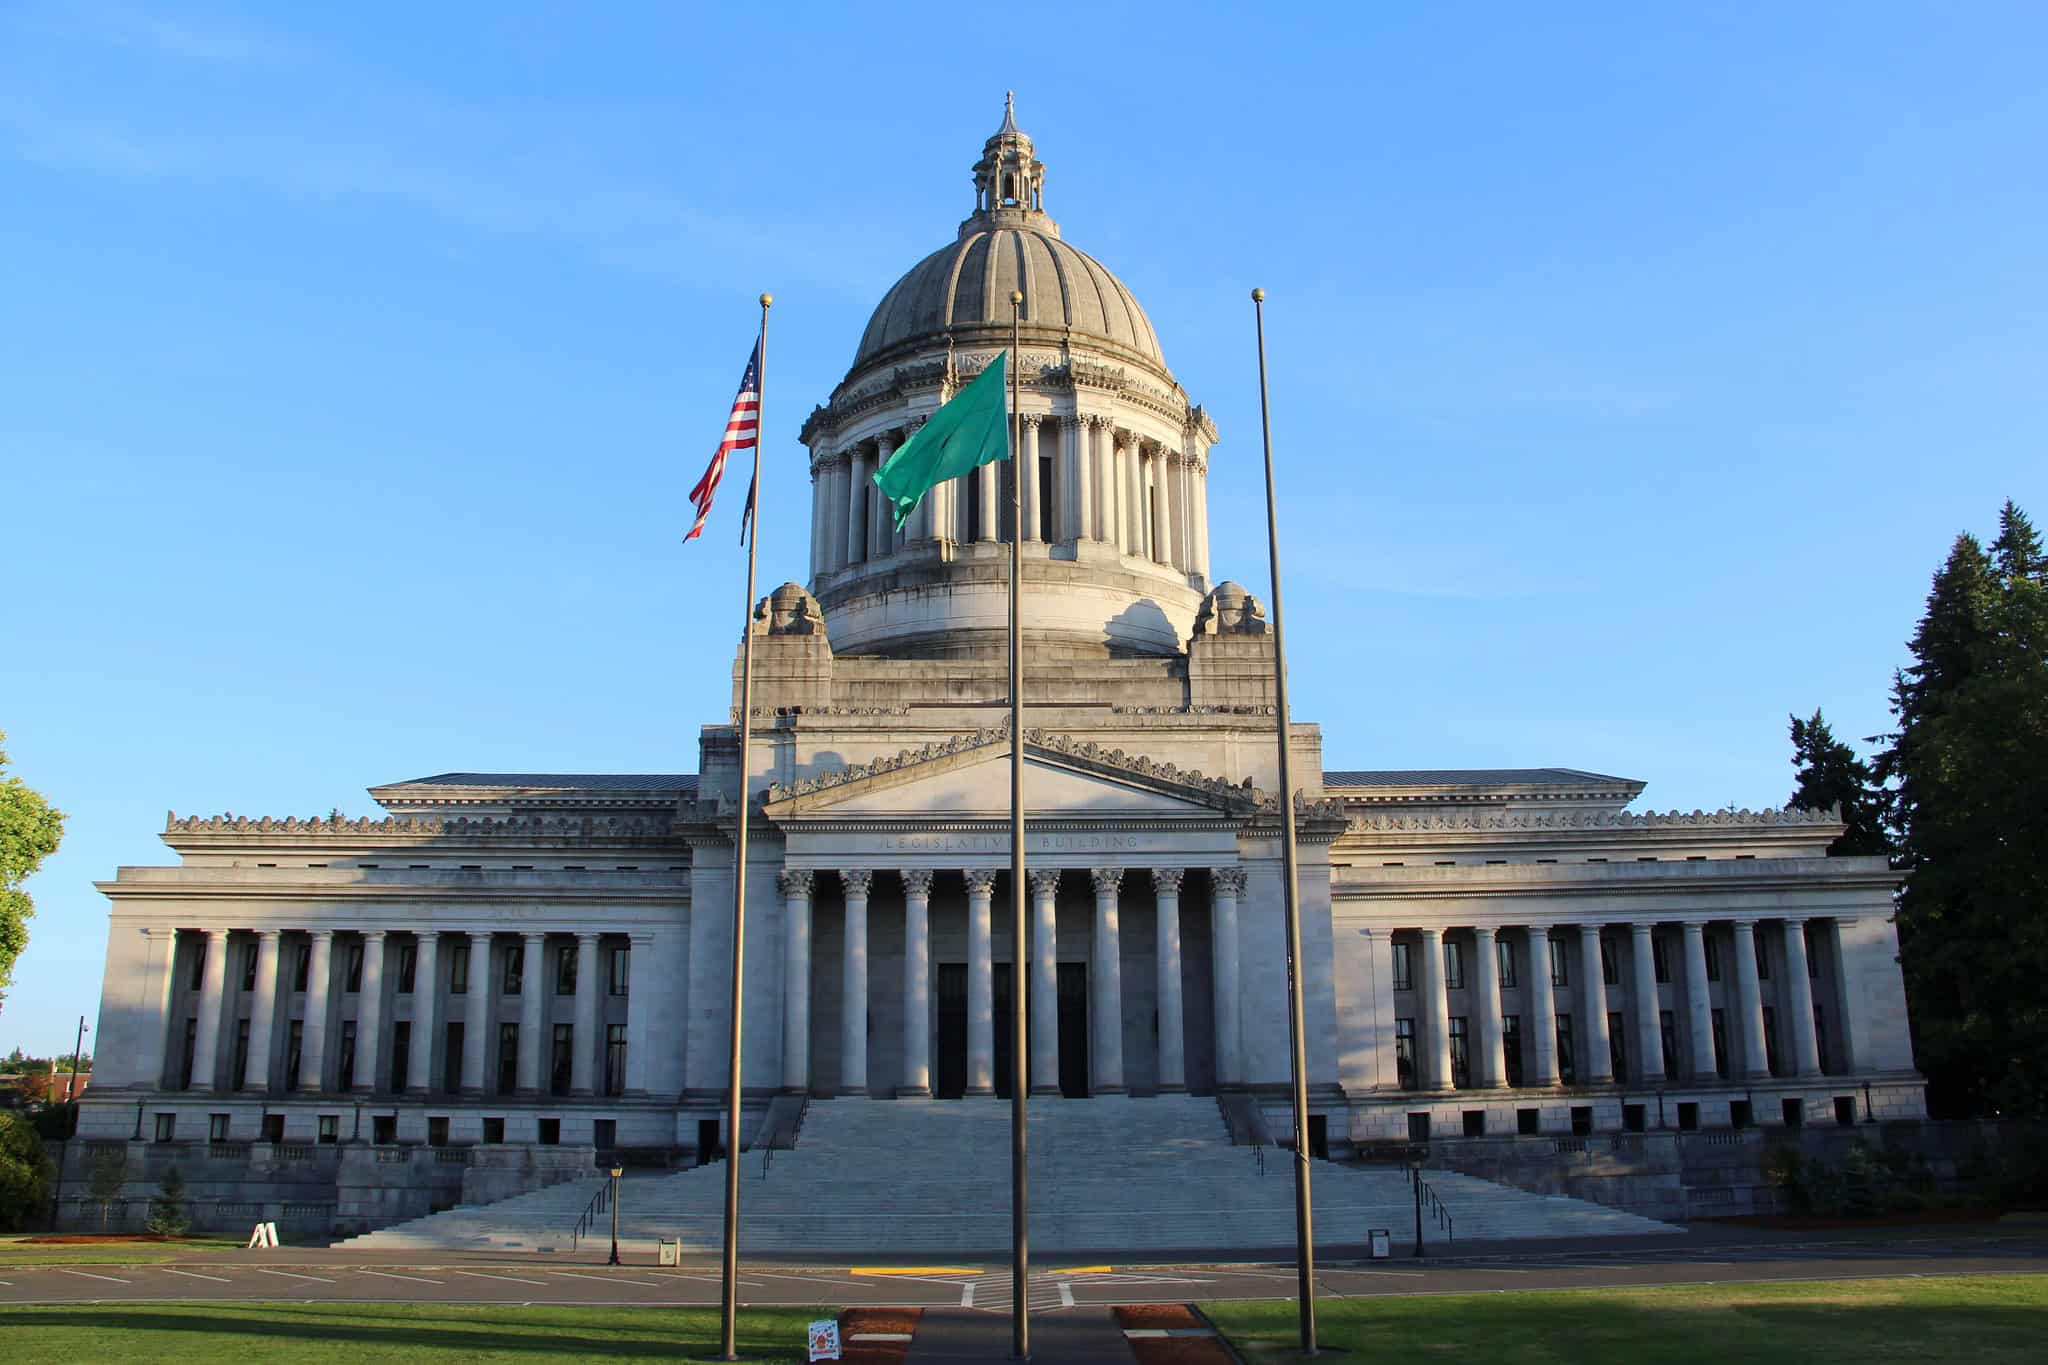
[{"x": 29, "y": 832}]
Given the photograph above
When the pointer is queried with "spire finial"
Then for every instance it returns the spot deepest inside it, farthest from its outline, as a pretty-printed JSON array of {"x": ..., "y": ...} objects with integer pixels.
[{"x": 1009, "y": 112}]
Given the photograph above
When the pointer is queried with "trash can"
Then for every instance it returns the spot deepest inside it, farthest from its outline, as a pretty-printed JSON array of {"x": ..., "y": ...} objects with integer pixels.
[
  {"x": 672, "y": 1251},
  {"x": 1381, "y": 1239}
]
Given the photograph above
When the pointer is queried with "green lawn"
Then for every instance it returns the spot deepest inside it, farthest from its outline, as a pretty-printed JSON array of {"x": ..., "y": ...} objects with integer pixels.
[
  {"x": 364, "y": 1332},
  {"x": 16, "y": 1252},
  {"x": 1983, "y": 1320}
]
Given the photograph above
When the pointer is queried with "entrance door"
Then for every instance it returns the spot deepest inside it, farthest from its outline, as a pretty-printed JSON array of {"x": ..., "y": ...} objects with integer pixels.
[
  {"x": 949, "y": 1077},
  {"x": 1073, "y": 991}
]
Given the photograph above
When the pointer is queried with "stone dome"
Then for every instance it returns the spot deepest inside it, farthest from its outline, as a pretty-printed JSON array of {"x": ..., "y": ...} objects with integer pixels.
[
  {"x": 1008, "y": 243},
  {"x": 967, "y": 284}
]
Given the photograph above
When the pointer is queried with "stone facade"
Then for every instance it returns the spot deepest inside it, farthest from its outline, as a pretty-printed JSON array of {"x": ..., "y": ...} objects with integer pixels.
[{"x": 505, "y": 964}]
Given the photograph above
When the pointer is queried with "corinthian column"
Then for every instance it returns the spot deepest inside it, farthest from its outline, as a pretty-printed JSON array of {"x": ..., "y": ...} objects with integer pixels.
[
  {"x": 1542, "y": 1005},
  {"x": 917, "y": 982},
  {"x": 212, "y": 992},
  {"x": 1699, "y": 1006},
  {"x": 313, "y": 1039},
  {"x": 476, "y": 1012},
  {"x": 1045, "y": 986},
  {"x": 1027, "y": 469},
  {"x": 426, "y": 1012},
  {"x": 533, "y": 987},
  {"x": 263, "y": 1014},
  {"x": 1106, "y": 1030},
  {"x": 370, "y": 1013},
  {"x": 1749, "y": 1001},
  {"x": 1173, "y": 1065},
  {"x": 1492, "y": 1068},
  {"x": 853, "y": 998},
  {"x": 583, "y": 1044},
  {"x": 1080, "y": 505},
  {"x": 1805, "y": 1042},
  {"x": 1226, "y": 888},
  {"x": 795, "y": 887},
  {"x": 981, "y": 1028},
  {"x": 1649, "y": 1034},
  {"x": 1436, "y": 1004},
  {"x": 1593, "y": 998}
]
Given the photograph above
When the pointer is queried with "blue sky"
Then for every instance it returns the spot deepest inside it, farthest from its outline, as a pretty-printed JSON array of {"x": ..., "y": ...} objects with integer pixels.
[{"x": 1633, "y": 365}]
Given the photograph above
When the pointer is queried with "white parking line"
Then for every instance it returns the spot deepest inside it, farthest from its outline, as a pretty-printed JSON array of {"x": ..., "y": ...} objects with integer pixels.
[
  {"x": 294, "y": 1275},
  {"x": 87, "y": 1274},
  {"x": 479, "y": 1275},
  {"x": 805, "y": 1279},
  {"x": 605, "y": 1279},
  {"x": 1066, "y": 1291},
  {"x": 967, "y": 1294},
  {"x": 714, "y": 1279},
  {"x": 417, "y": 1279},
  {"x": 195, "y": 1275}
]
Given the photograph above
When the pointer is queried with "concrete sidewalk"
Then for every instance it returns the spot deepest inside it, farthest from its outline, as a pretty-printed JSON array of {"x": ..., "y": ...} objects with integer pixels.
[{"x": 1076, "y": 1336}]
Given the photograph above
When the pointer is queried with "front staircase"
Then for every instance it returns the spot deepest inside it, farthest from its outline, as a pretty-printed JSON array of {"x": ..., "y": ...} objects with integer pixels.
[{"x": 1117, "y": 1175}]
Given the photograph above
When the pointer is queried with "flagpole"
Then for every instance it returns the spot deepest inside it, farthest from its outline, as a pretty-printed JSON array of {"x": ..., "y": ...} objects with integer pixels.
[
  {"x": 1304, "y": 1219},
  {"x": 1020, "y": 1220},
  {"x": 728, "y": 1292}
]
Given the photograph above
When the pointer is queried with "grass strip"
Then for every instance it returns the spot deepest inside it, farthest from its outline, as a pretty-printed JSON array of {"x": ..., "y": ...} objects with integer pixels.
[
  {"x": 1987, "y": 1320},
  {"x": 391, "y": 1332}
]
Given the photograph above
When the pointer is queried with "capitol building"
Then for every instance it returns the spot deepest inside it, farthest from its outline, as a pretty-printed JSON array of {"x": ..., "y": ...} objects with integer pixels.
[{"x": 502, "y": 972}]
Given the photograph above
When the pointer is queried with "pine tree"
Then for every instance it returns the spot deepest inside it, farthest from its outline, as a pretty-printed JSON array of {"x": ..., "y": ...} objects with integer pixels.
[
  {"x": 1831, "y": 777},
  {"x": 167, "y": 1206},
  {"x": 1968, "y": 766}
]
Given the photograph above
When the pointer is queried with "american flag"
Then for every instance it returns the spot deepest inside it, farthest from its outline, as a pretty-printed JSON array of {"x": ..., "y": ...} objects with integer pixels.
[{"x": 742, "y": 432}]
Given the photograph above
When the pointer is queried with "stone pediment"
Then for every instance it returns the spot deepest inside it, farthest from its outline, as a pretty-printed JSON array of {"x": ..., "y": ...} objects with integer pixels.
[{"x": 968, "y": 777}]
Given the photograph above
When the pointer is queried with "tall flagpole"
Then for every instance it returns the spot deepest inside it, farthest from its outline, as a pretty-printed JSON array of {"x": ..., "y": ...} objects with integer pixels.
[
  {"x": 729, "y": 1279},
  {"x": 1020, "y": 1218},
  {"x": 1304, "y": 1218}
]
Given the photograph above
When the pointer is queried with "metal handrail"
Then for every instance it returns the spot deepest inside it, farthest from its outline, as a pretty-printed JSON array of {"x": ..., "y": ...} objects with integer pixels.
[
  {"x": 599, "y": 1202},
  {"x": 1433, "y": 1204}
]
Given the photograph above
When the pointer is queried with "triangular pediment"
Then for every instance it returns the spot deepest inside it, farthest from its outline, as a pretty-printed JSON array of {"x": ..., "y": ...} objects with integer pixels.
[{"x": 968, "y": 777}]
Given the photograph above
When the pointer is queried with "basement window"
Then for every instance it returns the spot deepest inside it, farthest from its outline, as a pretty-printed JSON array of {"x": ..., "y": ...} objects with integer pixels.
[
  {"x": 1646, "y": 860},
  {"x": 1393, "y": 864},
  {"x": 1596, "y": 860}
]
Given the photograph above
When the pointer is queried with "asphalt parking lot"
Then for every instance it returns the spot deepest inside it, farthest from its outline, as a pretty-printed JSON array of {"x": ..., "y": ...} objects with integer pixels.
[{"x": 319, "y": 1276}]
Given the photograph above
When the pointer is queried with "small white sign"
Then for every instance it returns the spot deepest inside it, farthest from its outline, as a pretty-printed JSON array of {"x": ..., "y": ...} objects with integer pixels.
[
  {"x": 264, "y": 1235},
  {"x": 825, "y": 1339}
]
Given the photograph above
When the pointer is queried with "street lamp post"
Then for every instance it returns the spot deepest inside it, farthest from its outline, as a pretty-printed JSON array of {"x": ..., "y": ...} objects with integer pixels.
[
  {"x": 1415, "y": 1155},
  {"x": 617, "y": 1171}
]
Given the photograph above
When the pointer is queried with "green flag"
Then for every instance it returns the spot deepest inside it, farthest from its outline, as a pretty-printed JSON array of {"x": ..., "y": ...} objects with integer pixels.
[{"x": 964, "y": 435}]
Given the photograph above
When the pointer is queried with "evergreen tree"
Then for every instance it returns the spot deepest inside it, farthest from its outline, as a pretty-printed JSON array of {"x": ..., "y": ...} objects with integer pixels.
[
  {"x": 1968, "y": 766},
  {"x": 167, "y": 1206},
  {"x": 1831, "y": 777}
]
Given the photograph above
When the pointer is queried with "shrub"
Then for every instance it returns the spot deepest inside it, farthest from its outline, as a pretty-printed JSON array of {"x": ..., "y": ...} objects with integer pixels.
[
  {"x": 167, "y": 1207},
  {"x": 25, "y": 1173}
]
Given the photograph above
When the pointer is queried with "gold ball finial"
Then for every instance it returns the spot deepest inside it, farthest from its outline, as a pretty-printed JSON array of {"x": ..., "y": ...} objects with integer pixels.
[
  {"x": 767, "y": 300},
  {"x": 1016, "y": 297},
  {"x": 1258, "y": 296}
]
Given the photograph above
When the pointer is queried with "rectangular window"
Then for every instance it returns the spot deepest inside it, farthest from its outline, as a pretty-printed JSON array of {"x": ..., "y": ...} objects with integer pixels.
[
  {"x": 1461, "y": 1055},
  {"x": 1763, "y": 957},
  {"x": 615, "y": 1059},
  {"x": 437, "y": 1130},
  {"x": 1559, "y": 975},
  {"x": 1660, "y": 959},
  {"x": 1528, "y": 1122},
  {"x": 273, "y": 1128},
  {"x": 1845, "y": 1109},
  {"x": 294, "y": 1047},
  {"x": 1617, "y": 1046},
  {"x": 458, "y": 970},
  {"x": 408, "y": 965},
  {"x": 401, "y": 1056},
  {"x": 494, "y": 1130},
  {"x": 1771, "y": 1041},
  {"x": 1582, "y": 1120},
  {"x": 355, "y": 967},
  {"x": 216, "y": 1127},
  {"x": 550, "y": 1132},
  {"x": 508, "y": 1058},
  {"x": 565, "y": 970},
  {"x": 198, "y": 959},
  {"x": 1475, "y": 1123},
  {"x": 242, "y": 1052},
  {"x": 347, "y": 1069},
  {"x": 1721, "y": 1044},
  {"x": 1632, "y": 1118},
  {"x": 604, "y": 1134},
  {"x": 1046, "y": 489},
  {"x": 248, "y": 967},
  {"x": 1688, "y": 1116},
  {"x": 1567, "y": 1059},
  {"x": 1793, "y": 1110},
  {"x": 565, "y": 1048},
  {"x": 1511, "y": 1047},
  {"x": 1608, "y": 972},
  {"x": 1505, "y": 953},
  {"x": 1820, "y": 1037},
  {"x": 621, "y": 971},
  {"x": 451, "y": 1059},
  {"x": 384, "y": 1129},
  {"x": 1404, "y": 979},
  {"x": 1454, "y": 966},
  {"x": 1404, "y": 1053},
  {"x": 1739, "y": 1115},
  {"x": 191, "y": 1050},
  {"x": 1667, "y": 1028},
  {"x": 166, "y": 1127},
  {"x": 302, "y": 963},
  {"x": 1713, "y": 946},
  {"x": 515, "y": 968},
  {"x": 330, "y": 1128}
]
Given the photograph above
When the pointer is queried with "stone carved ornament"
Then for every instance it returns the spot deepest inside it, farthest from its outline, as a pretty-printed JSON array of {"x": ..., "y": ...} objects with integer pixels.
[
  {"x": 1790, "y": 817},
  {"x": 510, "y": 827}
]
